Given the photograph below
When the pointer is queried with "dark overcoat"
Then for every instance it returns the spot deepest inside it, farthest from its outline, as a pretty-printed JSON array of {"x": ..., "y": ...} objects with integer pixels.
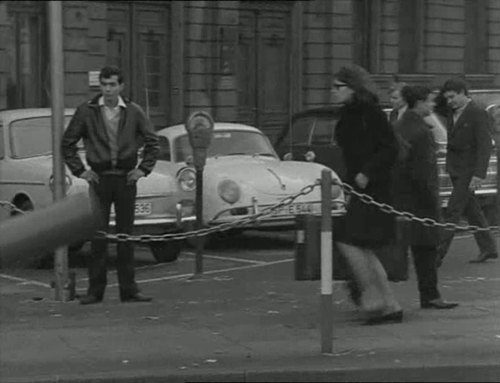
[
  {"x": 469, "y": 143},
  {"x": 416, "y": 186},
  {"x": 369, "y": 147}
]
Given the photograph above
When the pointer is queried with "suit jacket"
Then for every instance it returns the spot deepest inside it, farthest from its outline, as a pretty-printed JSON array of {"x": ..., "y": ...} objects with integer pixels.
[
  {"x": 469, "y": 143},
  {"x": 416, "y": 187}
]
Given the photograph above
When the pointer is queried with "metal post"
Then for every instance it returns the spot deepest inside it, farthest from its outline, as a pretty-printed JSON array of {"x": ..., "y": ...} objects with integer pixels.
[
  {"x": 326, "y": 262},
  {"x": 199, "y": 220},
  {"x": 54, "y": 10}
]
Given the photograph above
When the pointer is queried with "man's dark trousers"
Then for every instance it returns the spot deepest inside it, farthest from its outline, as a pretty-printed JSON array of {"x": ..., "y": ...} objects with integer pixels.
[
  {"x": 113, "y": 189},
  {"x": 424, "y": 259},
  {"x": 463, "y": 203}
]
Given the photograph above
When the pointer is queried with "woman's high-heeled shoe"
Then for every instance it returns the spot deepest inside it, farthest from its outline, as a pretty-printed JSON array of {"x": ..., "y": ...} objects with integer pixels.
[{"x": 394, "y": 317}]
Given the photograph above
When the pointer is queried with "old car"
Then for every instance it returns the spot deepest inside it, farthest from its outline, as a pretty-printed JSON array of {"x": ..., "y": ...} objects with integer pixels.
[
  {"x": 310, "y": 136},
  {"x": 164, "y": 199},
  {"x": 244, "y": 175}
]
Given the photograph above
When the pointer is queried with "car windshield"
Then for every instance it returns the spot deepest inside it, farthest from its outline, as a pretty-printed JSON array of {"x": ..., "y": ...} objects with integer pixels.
[
  {"x": 31, "y": 137},
  {"x": 228, "y": 143}
]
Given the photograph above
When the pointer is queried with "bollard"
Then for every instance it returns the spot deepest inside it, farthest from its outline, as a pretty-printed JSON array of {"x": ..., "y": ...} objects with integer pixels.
[
  {"x": 28, "y": 236},
  {"x": 307, "y": 251}
]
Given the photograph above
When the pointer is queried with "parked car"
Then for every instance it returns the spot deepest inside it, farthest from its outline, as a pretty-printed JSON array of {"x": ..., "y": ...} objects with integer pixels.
[
  {"x": 244, "y": 175},
  {"x": 311, "y": 137},
  {"x": 164, "y": 198}
]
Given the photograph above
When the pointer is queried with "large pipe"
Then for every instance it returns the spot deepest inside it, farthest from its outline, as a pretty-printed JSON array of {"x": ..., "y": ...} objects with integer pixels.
[{"x": 29, "y": 236}]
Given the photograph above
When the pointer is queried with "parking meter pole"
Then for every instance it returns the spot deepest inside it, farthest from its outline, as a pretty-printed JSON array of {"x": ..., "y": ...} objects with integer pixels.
[
  {"x": 54, "y": 10},
  {"x": 199, "y": 126},
  {"x": 199, "y": 220},
  {"x": 326, "y": 262}
]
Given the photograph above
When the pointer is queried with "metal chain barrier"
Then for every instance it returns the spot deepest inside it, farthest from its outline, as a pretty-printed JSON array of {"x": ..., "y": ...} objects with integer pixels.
[
  {"x": 429, "y": 222},
  {"x": 348, "y": 189},
  {"x": 145, "y": 238}
]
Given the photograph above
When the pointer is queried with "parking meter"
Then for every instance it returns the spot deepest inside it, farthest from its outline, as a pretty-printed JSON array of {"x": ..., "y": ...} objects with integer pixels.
[{"x": 200, "y": 126}]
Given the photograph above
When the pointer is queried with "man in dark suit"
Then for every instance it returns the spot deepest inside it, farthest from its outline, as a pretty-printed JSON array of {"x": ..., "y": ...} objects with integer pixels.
[
  {"x": 398, "y": 103},
  {"x": 467, "y": 157},
  {"x": 416, "y": 190}
]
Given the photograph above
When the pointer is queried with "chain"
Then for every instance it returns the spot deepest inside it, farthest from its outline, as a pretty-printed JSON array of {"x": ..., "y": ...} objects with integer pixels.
[
  {"x": 11, "y": 206},
  {"x": 145, "y": 238},
  {"x": 348, "y": 189},
  {"x": 429, "y": 222}
]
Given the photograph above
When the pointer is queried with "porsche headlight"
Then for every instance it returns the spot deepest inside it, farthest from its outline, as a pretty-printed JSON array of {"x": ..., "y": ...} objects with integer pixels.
[
  {"x": 187, "y": 179},
  {"x": 229, "y": 191}
]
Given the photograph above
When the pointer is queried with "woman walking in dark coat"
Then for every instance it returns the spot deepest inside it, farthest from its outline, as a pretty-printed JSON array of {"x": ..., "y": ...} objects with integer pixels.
[{"x": 370, "y": 150}]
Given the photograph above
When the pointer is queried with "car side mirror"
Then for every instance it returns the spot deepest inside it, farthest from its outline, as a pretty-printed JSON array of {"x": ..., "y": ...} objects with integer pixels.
[{"x": 287, "y": 156}]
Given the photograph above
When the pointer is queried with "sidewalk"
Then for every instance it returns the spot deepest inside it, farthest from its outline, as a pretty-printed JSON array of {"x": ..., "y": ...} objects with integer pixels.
[{"x": 256, "y": 324}]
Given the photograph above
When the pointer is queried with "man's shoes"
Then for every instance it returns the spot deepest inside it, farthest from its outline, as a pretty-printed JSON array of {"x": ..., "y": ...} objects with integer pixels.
[
  {"x": 136, "y": 298},
  {"x": 438, "y": 304},
  {"x": 483, "y": 257},
  {"x": 394, "y": 317},
  {"x": 89, "y": 300}
]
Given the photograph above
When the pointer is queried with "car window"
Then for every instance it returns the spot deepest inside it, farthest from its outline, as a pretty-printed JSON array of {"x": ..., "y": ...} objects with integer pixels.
[
  {"x": 301, "y": 131},
  {"x": 485, "y": 98},
  {"x": 31, "y": 137},
  {"x": 324, "y": 131},
  {"x": 227, "y": 143},
  {"x": 164, "y": 148}
]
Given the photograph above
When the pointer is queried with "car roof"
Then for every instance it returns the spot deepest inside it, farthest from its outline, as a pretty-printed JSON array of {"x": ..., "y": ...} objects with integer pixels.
[
  {"x": 324, "y": 110},
  {"x": 178, "y": 130},
  {"x": 16, "y": 114}
]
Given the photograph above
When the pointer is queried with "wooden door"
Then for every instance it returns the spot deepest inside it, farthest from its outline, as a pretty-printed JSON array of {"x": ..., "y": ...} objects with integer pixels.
[
  {"x": 263, "y": 69},
  {"x": 138, "y": 42}
]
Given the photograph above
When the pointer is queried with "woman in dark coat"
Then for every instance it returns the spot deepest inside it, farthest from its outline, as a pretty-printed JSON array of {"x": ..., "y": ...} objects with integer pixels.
[{"x": 370, "y": 151}]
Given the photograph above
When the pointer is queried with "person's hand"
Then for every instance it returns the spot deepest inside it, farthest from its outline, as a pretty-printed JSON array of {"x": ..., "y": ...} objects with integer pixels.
[
  {"x": 134, "y": 175},
  {"x": 475, "y": 183},
  {"x": 361, "y": 180},
  {"x": 90, "y": 176}
]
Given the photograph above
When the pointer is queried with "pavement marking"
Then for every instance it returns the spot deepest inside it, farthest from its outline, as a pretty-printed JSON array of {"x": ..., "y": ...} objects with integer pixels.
[
  {"x": 24, "y": 281},
  {"x": 223, "y": 258},
  {"x": 180, "y": 276}
]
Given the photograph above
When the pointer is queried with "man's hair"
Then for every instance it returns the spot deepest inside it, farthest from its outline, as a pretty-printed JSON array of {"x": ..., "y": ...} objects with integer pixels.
[
  {"x": 414, "y": 93},
  {"x": 455, "y": 85},
  {"x": 397, "y": 86},
  {"x": 109, "y": 71}
]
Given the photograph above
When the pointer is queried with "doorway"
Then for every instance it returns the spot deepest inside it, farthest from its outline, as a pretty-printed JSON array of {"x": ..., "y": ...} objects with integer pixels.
[
  {"x": 263, "y": 66},
  {"x": 139, "y": 43}
]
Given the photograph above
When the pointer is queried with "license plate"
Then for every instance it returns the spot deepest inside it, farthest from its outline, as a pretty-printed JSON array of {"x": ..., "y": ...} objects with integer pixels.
[
  {"x": 298, "y": 208},
  {"x": 141, "y": 208}
]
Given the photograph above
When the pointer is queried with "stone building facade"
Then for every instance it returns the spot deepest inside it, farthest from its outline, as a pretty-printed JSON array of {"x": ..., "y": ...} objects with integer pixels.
[{"x": 255, "y": 62}]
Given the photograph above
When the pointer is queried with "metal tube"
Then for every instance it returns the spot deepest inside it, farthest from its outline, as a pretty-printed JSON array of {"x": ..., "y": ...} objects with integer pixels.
[
  {"x": 54, "y": 10},
  {"x": 28, "y": 236},
  {"x": 326, "y": 262}
]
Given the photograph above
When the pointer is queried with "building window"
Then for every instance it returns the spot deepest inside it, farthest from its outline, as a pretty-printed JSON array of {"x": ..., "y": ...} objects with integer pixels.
[
  {"x": 476, "y": 36},
  {"x": 26, "y": 55},
  {"x": 366, "y": 33},
  {"x": 411, "y": 18}
]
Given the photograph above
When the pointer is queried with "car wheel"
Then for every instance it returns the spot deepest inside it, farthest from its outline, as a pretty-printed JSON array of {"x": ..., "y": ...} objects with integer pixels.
[{"x": 165, "y": 252}]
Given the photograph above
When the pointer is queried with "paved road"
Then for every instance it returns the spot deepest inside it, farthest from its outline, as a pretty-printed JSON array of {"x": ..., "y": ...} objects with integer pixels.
[{"x": 247, "y": 321}]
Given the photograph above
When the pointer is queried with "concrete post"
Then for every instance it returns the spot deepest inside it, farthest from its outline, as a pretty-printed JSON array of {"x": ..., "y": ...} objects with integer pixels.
[{"x": 326, "y": 262}]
